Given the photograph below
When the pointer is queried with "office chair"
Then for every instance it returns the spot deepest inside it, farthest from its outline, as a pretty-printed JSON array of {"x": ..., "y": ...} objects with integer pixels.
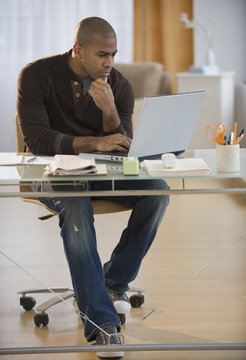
[{"x": 99, "y": 207}]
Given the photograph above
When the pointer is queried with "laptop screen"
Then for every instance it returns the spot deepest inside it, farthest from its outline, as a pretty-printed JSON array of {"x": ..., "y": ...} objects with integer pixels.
[{"x": 166, "y": 124}]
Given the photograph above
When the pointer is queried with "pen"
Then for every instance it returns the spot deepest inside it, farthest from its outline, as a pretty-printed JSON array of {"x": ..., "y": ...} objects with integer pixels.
[
  {"x": 232, "y": 138},
  {"x": 241, "y": 137},
  {"x": 235, "y": 133},
  {"x": 31, "y": 159},
  {"x": 241, "y": 132}
]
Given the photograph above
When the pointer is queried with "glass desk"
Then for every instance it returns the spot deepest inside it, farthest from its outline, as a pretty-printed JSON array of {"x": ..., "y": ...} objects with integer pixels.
[{"x": 11, "y": 177}]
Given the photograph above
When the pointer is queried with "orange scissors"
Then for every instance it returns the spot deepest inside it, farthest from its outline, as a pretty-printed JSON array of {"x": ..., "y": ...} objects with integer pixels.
[{"x": 217, "y": 133}]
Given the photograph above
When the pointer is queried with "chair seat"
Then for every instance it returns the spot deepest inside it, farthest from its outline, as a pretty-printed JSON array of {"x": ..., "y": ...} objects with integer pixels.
[
  {"x": 99, "y": 206},
  {"x": 103, "y": 206}
]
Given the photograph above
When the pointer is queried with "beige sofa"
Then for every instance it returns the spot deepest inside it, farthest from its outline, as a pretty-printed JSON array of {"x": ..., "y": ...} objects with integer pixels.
[{"x": 147, "y": 79}]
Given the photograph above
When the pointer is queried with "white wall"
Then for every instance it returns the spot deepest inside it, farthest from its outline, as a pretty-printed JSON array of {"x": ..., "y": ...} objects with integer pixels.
[
  {"x": 31, "y": 29},
  {"x": 229, "y": 22}
]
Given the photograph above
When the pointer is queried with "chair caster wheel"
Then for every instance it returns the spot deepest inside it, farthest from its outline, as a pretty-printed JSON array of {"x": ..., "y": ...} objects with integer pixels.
[
  {"x": 122, "y": 318},
  {"x": 136, "y": 300},
  {"x": 27, "y": 302},
  {"x": 41, "y": 319}
]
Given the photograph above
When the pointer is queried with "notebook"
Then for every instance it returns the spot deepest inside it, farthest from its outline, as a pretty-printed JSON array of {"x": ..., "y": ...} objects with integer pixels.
[
  {"x": 185, "y": 165},
  {"x": 165, "y": 125}
]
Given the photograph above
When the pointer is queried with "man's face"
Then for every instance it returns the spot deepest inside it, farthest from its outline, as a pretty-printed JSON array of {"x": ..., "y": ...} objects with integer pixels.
[{"x": 97, "y": 58}]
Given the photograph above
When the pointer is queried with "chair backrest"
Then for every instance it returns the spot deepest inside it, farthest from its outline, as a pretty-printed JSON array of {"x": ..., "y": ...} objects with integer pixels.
[
  {"x": 99, "y": 206},
  {"x": 21, "y": 146}
]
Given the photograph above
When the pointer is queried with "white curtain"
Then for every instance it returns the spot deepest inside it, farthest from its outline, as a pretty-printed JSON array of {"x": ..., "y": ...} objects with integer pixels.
[{"x": 31, "y": 29}]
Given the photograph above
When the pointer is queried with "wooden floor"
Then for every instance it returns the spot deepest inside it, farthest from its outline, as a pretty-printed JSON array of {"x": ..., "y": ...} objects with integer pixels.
[{"x": 211, "y": 307}]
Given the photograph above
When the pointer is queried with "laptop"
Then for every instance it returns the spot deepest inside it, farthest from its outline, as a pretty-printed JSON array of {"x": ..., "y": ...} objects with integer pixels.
[{"x": 165, "y": 125}]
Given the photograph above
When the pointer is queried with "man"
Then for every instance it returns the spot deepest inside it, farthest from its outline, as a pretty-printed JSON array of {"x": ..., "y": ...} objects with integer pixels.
[{"x": 77, "y": 102}]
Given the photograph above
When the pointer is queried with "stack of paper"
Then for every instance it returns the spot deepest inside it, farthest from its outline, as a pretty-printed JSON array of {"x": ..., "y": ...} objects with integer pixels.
[
  {"x": 70, "y": 165},
  {"x": 156, "y": 167}
]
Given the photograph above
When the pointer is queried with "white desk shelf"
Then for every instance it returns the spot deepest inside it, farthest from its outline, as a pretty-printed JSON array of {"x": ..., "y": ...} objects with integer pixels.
[{"x": 218, "y": 104}]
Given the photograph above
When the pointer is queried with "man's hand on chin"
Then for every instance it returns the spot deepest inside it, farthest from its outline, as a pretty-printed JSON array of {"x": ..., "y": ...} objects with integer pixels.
[
  {"x": 103, "y": 97},
  {"x": 102, "y": 94}
]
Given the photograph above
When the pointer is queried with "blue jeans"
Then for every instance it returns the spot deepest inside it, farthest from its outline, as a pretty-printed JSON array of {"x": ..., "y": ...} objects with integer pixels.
[{"x": 90, "y": 279}]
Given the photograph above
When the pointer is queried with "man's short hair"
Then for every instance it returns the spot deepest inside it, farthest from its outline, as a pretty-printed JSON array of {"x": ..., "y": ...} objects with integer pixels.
[{"x": 90, "y": 27}]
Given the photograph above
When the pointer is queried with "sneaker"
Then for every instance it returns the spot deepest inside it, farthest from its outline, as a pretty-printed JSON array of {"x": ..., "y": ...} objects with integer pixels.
[
  {"x": 120, "y": 301},
  {"x": 103, "y": 339}
]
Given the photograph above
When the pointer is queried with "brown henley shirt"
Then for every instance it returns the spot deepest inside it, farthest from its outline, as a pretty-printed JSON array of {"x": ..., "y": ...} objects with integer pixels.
[{"x": 53, "y": 110}]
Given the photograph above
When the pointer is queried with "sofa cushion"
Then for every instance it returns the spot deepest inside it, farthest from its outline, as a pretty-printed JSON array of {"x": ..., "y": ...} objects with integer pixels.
[{"x": 145, "y": 77}]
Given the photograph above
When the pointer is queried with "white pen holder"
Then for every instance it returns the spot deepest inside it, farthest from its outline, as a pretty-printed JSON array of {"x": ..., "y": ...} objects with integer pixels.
[{"x": 228, "y": 158}]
